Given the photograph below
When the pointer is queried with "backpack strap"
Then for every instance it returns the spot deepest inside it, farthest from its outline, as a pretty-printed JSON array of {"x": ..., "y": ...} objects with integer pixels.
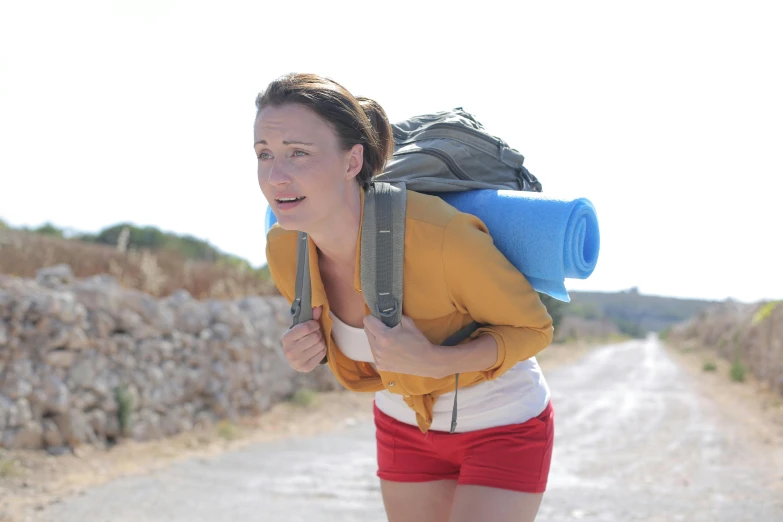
[
  {"x": 302, "y": 306},
  {"x": 382, "y": 250}
]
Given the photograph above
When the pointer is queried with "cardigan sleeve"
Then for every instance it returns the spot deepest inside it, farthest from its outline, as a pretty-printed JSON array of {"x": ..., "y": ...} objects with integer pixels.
[{"x": 483, "y": 284}]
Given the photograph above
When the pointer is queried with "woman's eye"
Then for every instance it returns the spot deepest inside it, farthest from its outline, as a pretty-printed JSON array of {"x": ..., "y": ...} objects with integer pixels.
[
  {"x": 264, "y": 155},
  {"x": 300, "y": 153}
]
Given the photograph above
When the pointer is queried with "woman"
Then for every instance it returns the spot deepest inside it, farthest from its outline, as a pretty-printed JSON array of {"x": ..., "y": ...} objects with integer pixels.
[{"x": 318, "y": 148}]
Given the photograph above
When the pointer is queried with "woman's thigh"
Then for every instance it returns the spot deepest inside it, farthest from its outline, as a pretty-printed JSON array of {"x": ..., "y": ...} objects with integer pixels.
[
  {"x": 419, "y": 501},
  {"x": 498, "y": 505}
]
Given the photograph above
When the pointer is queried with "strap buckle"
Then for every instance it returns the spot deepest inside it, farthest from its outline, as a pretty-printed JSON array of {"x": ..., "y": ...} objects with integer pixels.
[
  {"x": 296, "y": 307},
  {"x": 391, "y": 312}
]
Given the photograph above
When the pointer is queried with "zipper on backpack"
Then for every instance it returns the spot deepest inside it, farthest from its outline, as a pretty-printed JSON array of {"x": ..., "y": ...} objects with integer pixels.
[
  {"x": 453, "y": 167},
  {"x": 471, "y": 130},
  {"x": 477, "y": 133}
]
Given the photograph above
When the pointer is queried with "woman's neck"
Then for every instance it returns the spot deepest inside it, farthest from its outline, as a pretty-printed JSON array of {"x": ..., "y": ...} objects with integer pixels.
[{"x": 336, "y": 241}]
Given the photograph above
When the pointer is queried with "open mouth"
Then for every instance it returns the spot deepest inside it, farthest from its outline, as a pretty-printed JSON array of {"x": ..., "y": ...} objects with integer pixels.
[{"x": 285, "y": 204}]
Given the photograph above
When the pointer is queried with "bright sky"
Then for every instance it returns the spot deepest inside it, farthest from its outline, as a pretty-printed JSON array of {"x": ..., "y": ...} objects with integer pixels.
[{"x": 666, "y": 115}]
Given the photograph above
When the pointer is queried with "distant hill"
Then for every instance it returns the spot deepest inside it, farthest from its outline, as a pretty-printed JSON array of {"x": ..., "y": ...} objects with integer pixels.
[{"x": 633, "y": 313}]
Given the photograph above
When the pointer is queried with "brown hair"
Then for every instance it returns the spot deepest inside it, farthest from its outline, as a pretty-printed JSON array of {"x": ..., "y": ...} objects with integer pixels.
[{"x": 354, "y": 119}]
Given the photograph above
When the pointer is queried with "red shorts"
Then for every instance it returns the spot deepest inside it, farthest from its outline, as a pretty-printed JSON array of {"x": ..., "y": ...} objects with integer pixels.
[{"x": 515, "y": 457}]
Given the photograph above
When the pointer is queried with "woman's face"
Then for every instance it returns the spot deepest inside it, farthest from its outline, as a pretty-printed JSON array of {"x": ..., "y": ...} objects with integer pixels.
[{"x": 302, "y": 170}]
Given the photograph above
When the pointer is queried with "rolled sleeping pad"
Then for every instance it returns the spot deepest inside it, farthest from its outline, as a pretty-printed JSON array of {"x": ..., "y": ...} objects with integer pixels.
[{"x": 546, "y": 238}]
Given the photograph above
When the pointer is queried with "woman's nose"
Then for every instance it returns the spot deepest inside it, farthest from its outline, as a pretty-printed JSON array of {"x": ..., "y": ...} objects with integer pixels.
[{"x": 278, "y": 175}]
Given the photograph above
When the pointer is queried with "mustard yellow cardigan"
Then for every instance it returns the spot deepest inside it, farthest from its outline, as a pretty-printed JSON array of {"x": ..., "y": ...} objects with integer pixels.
[{"x": 453, "y": 274}]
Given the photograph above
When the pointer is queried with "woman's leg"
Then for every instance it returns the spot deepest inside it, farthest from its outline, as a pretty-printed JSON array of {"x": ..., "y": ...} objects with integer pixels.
[
  {"x": 417, "y": 478},
  {"x": 473, "y": 503},
  {"x": 419, "y": 501}
]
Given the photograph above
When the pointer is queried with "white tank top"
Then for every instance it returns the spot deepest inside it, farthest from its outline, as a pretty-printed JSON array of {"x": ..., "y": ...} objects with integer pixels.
[{"x": 516, "y": 396}]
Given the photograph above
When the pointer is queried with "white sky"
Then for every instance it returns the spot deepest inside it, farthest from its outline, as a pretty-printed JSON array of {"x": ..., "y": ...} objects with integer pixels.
[{"x": 667, "y": 115}]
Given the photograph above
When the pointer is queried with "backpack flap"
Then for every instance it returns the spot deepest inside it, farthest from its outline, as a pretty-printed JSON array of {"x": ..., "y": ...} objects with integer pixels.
[{"x": 451, "y": 151}]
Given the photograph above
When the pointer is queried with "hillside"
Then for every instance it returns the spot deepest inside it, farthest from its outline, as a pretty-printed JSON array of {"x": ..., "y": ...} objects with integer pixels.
[{"x": 630, "y": 312}]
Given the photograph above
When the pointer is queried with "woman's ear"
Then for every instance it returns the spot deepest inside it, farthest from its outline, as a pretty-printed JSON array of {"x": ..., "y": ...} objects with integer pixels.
[{"x": 355, "y": 161}]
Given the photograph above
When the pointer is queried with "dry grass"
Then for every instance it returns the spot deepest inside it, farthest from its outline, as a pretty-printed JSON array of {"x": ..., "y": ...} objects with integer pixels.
[
  {"x": 22, "y": 254},
  {"x": 750, "y": 401},
  {"x": 228, "y": 430},
  {"x": 748, "y": 337}
]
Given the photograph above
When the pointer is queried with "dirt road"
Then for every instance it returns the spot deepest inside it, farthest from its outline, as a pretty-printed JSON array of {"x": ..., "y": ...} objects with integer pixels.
[{"x": 636, "y": 440}]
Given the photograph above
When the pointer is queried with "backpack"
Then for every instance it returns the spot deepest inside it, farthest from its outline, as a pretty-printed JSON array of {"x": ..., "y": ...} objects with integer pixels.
[{"x": 448, "y": 151}]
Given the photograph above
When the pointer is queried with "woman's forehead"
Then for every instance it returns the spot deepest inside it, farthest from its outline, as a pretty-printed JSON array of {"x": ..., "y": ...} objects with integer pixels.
[{"x": 288, "y": 122}]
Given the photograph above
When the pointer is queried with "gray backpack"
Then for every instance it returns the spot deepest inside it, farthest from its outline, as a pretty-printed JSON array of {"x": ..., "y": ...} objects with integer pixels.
[{"x": 447, "y": 151}]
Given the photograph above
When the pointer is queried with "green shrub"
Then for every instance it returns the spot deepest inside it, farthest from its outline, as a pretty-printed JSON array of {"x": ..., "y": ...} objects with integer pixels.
[
  {"x": 764, "y": 312},
  {"x": 304, "y": 397},
  {"x": 737, "y": 372},
  {"x": 8, "y": 468},
  {"x": 124, "y": 408},
  {"x": 664, "y": 334},
  {"x": 227, "y": 430},
  {"x": 49, "y": 230}
]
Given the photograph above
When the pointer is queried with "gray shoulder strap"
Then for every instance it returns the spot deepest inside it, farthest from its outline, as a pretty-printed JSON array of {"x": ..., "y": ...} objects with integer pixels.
[
  {"x": 382, "y": 250},
  {"x": 302, "y": 307}
]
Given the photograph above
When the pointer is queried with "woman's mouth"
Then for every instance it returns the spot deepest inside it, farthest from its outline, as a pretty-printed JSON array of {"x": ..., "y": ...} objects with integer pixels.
[{"x": 289, "y": 203}]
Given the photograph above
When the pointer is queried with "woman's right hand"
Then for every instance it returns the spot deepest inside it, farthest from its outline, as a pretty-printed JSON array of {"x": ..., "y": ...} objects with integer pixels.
[{"x": 303, "y": 345}]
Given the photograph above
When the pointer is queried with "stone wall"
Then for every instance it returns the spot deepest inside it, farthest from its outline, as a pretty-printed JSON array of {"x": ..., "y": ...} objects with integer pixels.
[{"x": 88, "y": 361}]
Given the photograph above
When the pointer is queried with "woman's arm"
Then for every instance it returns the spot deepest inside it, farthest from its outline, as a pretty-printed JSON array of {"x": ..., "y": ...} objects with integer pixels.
[
  {"x": 471, "y": 356},
  {"x": 405, "y": 349},
  {"x": 485, "y": 285}
]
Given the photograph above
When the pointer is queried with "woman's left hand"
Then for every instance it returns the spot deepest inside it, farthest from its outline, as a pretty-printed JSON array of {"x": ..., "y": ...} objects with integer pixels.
[{"x": 402, "y": 349}]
